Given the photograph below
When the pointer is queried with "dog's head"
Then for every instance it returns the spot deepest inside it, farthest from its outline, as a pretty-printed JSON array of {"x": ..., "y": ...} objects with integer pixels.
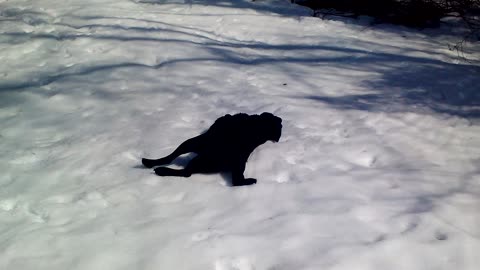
[{"x": 272, "y": 125}]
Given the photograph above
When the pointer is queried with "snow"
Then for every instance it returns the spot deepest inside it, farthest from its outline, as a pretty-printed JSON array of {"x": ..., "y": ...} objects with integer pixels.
[{"x": 377, "y": 168}]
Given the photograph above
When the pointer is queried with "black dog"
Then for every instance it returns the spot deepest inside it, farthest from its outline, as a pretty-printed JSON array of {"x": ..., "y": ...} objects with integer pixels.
[{"x": 224, "y": 147}]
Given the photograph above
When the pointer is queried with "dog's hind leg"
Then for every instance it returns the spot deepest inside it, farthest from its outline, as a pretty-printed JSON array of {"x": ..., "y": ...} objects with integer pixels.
[
  {"x": 194, "y": 166},
  {"x": 163, "y": 171},
  {"x": 190, "y": 145}
]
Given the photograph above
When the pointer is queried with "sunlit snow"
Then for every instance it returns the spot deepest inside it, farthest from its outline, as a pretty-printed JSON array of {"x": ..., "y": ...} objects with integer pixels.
[{"x": 378, "y": 166}]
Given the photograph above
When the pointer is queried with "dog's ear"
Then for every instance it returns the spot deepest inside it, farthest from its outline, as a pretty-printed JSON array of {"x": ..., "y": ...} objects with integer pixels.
[
  {"x": 271, "y": 118},
  {"x": 267, "y": 115},
  {"x": 271, "y": 126}
]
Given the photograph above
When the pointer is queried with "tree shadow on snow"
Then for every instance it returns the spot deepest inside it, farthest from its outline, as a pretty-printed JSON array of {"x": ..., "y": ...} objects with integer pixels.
[
  {"x": 281, "y": 8},
  {"x": 405, "y": 82},
  {"x": 441, "y": 88}
]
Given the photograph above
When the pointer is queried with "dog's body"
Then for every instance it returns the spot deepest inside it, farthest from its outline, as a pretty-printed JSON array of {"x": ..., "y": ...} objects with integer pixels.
[{"x": 224, "y": 147}]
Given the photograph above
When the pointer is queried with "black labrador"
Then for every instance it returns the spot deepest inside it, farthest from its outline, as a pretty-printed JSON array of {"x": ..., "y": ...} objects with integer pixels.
[{"x": 224, "y": 147}]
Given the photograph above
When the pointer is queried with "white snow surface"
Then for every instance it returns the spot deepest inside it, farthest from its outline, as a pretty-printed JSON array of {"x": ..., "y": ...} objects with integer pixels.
[{"x": 378, "y": 166}]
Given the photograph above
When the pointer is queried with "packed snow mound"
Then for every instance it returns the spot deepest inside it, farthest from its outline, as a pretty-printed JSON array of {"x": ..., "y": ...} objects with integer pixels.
[{"x": 378, "y": 166}]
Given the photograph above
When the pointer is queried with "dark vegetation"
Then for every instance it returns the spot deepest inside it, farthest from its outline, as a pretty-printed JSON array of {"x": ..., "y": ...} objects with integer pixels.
[{"x": 411, "y": 13}]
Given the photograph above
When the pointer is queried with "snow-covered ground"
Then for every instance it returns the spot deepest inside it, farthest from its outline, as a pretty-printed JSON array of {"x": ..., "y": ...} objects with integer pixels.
[{"x": 378, "y": 166}]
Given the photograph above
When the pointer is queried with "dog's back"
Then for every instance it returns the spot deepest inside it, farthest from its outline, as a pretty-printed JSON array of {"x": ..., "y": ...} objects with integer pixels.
[{"x": 229, "y": 134}]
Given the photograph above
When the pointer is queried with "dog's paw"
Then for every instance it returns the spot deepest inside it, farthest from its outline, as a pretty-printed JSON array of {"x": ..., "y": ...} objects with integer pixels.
[
  {"x": 246, "y": 182},
  {"x": 250, "y": 181}
]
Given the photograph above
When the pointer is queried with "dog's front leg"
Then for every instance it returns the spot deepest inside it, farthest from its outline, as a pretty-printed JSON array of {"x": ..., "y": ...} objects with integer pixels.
[{"x": 237, "y": 175}]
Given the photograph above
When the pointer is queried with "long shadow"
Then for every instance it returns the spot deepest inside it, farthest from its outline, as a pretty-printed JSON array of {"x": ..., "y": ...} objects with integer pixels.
[
  {"x": 222, "y": 53},
  {"x": 428, "y": 83},
  {"x": 419, "y": 82},
  {"x": 443, "y": 88},
  {"x": 281, "y": 9}
]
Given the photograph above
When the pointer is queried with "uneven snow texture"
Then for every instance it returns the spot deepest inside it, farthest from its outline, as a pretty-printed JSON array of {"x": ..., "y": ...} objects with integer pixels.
[{"x": 378, "y": 166}]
